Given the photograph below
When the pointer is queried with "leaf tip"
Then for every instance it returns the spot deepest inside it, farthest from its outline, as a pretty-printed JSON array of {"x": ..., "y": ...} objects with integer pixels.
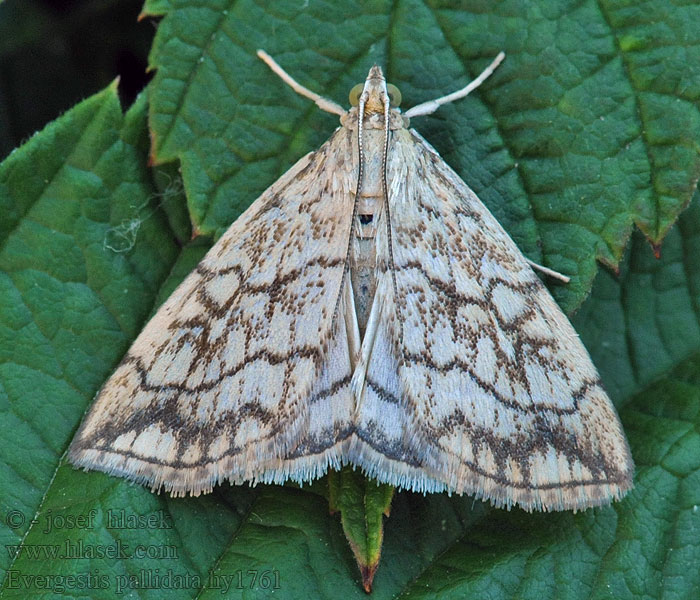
[
  {"x": 368, "y": 572},
  {"x": 196, "y": 231},
  {"x": 114, "y": 86}
]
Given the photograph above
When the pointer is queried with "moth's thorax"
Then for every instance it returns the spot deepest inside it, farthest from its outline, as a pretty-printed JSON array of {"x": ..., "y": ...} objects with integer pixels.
[{"x": 374, "y": 120}]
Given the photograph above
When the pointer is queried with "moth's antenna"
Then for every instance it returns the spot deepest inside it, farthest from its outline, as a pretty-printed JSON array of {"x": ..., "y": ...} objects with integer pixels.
[
  {"x": 321, "y": 102},
  {"x": 431, "y": 106}
]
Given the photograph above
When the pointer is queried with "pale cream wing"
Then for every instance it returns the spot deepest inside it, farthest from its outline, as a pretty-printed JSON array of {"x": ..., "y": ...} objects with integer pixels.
[
  {"x": 243, "y": 373},
  {"x": 475, "y": 380}
]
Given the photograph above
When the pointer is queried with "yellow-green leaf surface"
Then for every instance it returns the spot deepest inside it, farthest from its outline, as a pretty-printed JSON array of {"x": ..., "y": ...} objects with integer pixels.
[
  {"x": 362, "y": 504},
  {"x": 589, "y": 126}
]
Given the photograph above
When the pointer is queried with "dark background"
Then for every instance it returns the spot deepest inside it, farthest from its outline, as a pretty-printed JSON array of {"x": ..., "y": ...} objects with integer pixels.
[{"x": 55, "y": 53}]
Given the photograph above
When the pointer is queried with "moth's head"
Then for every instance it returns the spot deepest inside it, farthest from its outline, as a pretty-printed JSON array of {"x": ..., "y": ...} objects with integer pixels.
[{"x": 375, "y": 93}]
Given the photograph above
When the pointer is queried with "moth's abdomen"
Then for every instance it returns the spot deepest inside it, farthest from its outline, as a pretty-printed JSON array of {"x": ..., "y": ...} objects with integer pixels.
[{"x": 363, "y": 249}]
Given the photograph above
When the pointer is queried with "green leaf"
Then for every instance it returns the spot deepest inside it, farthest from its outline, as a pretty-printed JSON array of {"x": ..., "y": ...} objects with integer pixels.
[
  {"x": 91, "y": 242},
  {"x": 638, "y": 325},
  {"x": 363, "y": 503},
  {"x": 71, "y": 305}
]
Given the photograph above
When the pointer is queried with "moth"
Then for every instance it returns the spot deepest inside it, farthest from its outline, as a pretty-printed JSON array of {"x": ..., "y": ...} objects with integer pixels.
[{"x": 367, "y": 309}]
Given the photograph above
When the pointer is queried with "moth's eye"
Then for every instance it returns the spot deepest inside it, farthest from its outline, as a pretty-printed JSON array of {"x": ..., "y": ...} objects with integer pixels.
[
  {"x": 355, "y": 94},
  {"x": 394, "y": 95}
]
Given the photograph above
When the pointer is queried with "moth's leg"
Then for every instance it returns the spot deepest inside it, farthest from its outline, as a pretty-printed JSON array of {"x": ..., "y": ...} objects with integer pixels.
[
  {"x": 321, "y": 102},
  {"x": 430, "y": 107},
  {"x": 548, "y": 271}
]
